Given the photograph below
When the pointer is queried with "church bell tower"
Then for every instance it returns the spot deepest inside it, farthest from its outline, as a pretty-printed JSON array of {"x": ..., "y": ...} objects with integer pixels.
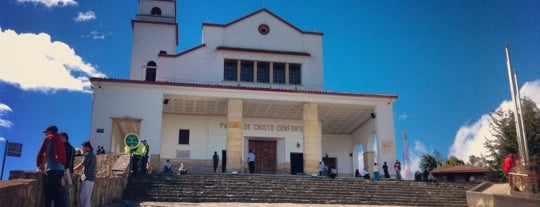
[{"x": 155, "y": 31}]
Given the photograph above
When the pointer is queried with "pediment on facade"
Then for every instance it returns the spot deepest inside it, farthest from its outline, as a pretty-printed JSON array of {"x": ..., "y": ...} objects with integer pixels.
[
  {"x": 260, "y": 12},
  {"x": 262, "y": 30}
]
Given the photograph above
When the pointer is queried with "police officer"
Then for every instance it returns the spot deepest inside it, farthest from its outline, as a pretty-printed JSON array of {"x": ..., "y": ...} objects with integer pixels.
[
  {"x": 137, "y": 158},
  {"x": 144, "y": 149}
]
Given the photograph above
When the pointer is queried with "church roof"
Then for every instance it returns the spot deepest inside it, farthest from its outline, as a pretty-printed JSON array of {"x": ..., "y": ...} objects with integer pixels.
[
  {"x": 248, "y": 88},
  {"x": 459, "y": 169},
  {"x": 260, "y": 11}
]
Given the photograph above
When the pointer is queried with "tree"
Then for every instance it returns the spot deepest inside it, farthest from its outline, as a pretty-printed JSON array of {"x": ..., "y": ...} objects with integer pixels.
[
  {"x": 479, "y": 161},
  {"x": 453, "y": 161},
  {"x": 430, "y": 161},
  {"x": 503, "y": 129}
]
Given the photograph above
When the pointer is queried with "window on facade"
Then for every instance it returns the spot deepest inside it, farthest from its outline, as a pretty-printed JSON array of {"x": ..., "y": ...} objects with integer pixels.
[
  {"x": 151, "y": 64},
  {"x": 183, "y": 136},
  {"x": 155, "y": 11},
  {"x": 295, "y": 76},
  {"x": 279, "y": 73},
  {"x": 263, "y": 72},
  {"x": 151, "y": 70},
  {"x": 230, "y": 70},
  {"x": 150, "y": 74},
  {"x": 246, "y": 71}
]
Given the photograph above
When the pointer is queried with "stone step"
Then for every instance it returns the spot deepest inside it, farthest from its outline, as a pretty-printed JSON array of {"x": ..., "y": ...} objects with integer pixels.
[{"x": 292, "y": 189}]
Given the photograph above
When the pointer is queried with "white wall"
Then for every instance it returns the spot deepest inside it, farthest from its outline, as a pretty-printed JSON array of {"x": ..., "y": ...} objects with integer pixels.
[
  {"x": 203, "y": 139},
  {"x": 209, "y": 134},
  {"x": 205, "y": 65},
  {"x": 116, "y": 101},
  {"x": 148, "y": 40},
  {"x": 339, "y": 146}
]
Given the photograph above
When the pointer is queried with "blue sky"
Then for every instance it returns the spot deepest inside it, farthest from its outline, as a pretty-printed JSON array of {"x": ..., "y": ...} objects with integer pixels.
[{"x": 444, "y": 59}]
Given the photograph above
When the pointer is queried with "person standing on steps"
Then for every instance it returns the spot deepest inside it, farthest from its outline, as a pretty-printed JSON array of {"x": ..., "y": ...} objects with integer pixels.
[
  {"x": 385, "y": 169},
  {"x": 89, "y": 173},
  {"x": 321, "y": 168},
  {"x": 51, "y": 161},
  {"x": 136, "y": 158},
  {"x": 397, "y": 167},
  {"x": 215, "y": 159},
  {"x": 251, "y": 161},
  {"x": 375, "y": 172},
  {"x": 144, "y": 157},
  {"x": 70, "y": 155},
  {"x": 508, "y": 166}
]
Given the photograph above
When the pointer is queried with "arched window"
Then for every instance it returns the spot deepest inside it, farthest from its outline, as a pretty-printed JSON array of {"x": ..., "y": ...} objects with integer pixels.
[
  {"x": 151, "y": 64},
  {"x": 151, "y": 71},
  {"x": 156, "y": 11}
]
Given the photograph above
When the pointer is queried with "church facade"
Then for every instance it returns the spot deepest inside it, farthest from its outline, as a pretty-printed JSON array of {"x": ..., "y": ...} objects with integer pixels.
[{"x": 255, "y": 83}]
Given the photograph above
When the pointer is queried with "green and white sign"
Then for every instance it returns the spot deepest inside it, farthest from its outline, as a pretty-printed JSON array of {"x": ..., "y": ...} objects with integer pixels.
[{"x": 131, "y": 140}]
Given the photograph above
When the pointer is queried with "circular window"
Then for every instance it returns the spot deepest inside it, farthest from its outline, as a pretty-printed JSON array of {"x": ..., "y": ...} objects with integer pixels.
[{"x": 264, "y": 29}]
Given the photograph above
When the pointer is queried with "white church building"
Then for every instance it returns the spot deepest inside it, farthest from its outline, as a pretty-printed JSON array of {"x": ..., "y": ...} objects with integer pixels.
[{"x": 255, "y": 83}]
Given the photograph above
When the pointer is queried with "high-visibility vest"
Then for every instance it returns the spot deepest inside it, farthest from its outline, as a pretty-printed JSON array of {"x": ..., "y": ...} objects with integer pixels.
[
  {"x": 138, "y": 150},
  {"x": 144, "y": 150},
  {"x": 127, "y": 149}
]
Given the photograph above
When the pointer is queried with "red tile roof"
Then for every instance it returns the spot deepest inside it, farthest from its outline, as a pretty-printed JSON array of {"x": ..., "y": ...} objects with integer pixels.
[
  {"x": 250, "y": 88},
  {"x": 184, "y": 52},
  {"x": 459, "y": 169},
  {"x": 278, "y": 52}
]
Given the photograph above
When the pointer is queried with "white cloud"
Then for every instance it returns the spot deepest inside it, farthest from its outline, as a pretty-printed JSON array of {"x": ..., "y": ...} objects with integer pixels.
[
  {"x": 3, "y": 110},
  {"x": 470, "y": 138},
  {"x": 97, "y": 35},
  {"x": 2, "y": 139},
  {"x": 86, "y": 16},
  {"x": 34, "y": 62},
  {"x": 51, "y": 3},
  {"x": 403, "y": 116}
]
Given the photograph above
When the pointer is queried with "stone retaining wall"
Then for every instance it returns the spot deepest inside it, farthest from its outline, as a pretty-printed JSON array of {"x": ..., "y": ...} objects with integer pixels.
[{"x": 25, "y": 188}]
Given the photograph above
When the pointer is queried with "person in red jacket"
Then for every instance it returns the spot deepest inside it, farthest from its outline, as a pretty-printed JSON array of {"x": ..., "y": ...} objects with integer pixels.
[
  {"x": 51, "y": 161},
  {"x": 509, "y": 163}
]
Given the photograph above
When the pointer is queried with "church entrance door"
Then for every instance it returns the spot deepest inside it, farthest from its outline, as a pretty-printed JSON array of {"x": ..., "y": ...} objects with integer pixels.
[{"x": 265, "y": 155}]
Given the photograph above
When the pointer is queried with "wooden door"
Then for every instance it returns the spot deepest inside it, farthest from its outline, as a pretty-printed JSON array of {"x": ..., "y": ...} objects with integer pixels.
[{"x": 265, "y": 155}]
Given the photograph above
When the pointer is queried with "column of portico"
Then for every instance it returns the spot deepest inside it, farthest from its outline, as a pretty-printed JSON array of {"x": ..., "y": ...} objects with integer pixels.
[
  {"x": 312, "y": 138},
  {"x": 234, "y": 134},
  {"x": 369, "y": 156},
  {"x": 386, "y": 135}
]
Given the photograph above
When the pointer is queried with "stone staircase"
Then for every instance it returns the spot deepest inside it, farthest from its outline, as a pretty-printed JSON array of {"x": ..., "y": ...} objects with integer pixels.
[{"x": 292, "y": 189}]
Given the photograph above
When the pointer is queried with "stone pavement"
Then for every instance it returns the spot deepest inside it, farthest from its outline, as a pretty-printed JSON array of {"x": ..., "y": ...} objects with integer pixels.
[{"x": 175, "y": 204}]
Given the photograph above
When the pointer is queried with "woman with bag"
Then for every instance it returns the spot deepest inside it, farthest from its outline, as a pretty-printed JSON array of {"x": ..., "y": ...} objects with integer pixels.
[{"x": 70, "y": 155}]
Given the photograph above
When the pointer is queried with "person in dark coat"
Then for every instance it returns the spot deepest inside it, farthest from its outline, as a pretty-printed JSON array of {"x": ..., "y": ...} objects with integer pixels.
[
  {"x": 215, "y": 159},
  {"x": 385, "y": 169}
]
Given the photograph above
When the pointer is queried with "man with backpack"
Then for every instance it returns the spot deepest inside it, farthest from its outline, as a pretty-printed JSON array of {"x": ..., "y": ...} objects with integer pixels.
[{"x": 51, "y": 161}]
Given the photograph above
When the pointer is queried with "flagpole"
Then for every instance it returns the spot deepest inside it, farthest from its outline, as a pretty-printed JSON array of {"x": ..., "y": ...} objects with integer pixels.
[
  {"x": 521, "y": 122},
  {"x": 515, "y": 102}
]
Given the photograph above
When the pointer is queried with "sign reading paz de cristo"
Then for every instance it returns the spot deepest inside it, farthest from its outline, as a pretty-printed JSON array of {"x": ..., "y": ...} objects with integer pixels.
[{"x": 131, "y": 140}]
